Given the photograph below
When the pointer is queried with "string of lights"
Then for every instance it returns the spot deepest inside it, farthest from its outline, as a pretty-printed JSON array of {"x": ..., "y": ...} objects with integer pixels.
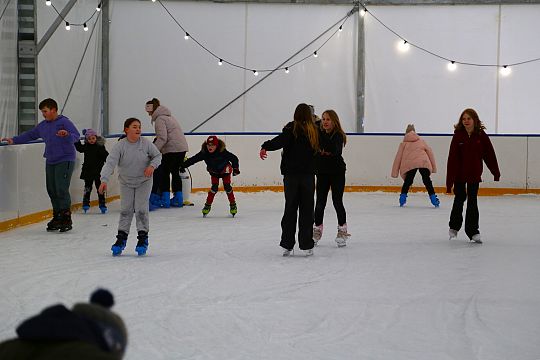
[
  {"x": 70, "y": 24},
  {"x": 404, "y": 45},
  {"x": 255, "y": 71}
]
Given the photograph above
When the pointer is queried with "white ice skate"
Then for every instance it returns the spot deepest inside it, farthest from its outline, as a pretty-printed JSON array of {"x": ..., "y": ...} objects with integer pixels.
[
  {"x": 287, "y": 252},
  {"x": 308, "y": 252},
  {"x": 452, "y": 234},
  {"x": 477, "y": 239},
  {"x": 317, "y": 233},
  {"x": 342, "y": 236}
]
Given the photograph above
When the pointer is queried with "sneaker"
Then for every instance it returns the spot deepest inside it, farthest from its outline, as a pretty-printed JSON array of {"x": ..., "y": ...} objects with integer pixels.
[
  {"x": 317, "y": 233},
  {"x": 206, "y": 209},
  {"x": 286, "y": 252},
  {"x": 233, "y": 209},
  {"x": 342, "y": 236},
  {"x": 308, "y": 252},
  {"x": 477, "y": 239},
  {"x": 452, "y": 234}
]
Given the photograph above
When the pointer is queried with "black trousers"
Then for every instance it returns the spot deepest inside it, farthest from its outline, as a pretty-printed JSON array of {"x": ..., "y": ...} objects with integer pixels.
[
  {"x": 88, "y": 190},
  {"x": 325, "y": 182},
  {"x": 170, "y": 175},
  {"x": 409, "y": 178},
  {"x": 299, "y": 190},
  {"x": 470, "y": 193}
]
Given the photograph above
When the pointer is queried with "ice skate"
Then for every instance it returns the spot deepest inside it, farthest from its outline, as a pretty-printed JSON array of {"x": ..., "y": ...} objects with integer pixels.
[
  {"x": 434, "y": 200},
  {"x": 317, "y": 233},
  {"x": 233, "y": 209},
  {"x": 54, "y": 224},
  {"x": 206, "y": 209},
  {"x": 287, "y": 252},
  {"x": 120, "y": 244},
  {"x": 452, "y": 234},
  {"x": 477, "y": 239},
  {"x": 103, "y": 209},
  {"x": 86, "y": 208},
  {"x": 342, "y": 236},
  {"x": 308, "y": 252},
  {"x": 402, "y": 199},
  {"x": 65, "y": 223},
  {"x": 142, "y": 243}
]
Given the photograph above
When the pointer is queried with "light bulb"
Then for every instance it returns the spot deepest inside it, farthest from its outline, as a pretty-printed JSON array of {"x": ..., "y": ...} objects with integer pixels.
[
  {"x": 451, "y": 66},
  {"x": 98, "y": 7},
  {"x": 505, "y": 70},
  {"x": 186, "y": 36},
  {"x": 315, "y": 54},
  {"x": 48, "y": 2},
  {"x": 340, "y": 28},
  {"x": 153, "y": 0},
  {"x": 363, "y": 12},
  {"x": 403, "y": 46},
  {"x": 286, "y": 70},
  {"x": 67, "y": 26},
  {"x": 85, "y": 27},
  {"x": 255, "y": 72},
  {"x": 220, "y": 62}
]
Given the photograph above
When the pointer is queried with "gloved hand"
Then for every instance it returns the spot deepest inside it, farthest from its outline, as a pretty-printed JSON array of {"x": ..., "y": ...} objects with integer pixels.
[{"x": 235, "y": 171}]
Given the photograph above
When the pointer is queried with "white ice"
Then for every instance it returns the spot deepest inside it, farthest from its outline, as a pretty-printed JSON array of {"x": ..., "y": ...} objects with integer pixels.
[{"x": 218, "y": 287}]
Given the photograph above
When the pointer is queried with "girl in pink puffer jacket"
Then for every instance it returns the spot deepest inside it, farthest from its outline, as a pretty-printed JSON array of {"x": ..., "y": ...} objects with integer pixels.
[{"x": 414, "y": 154}]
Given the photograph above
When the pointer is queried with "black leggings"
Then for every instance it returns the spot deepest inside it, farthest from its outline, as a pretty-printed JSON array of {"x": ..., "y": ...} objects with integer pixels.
[
  {"x": 170, "y": 175},
  {"x": 409, "y": 178},
  {"x": 472, "y": 215},
  {"x": 325, "y": 182}
]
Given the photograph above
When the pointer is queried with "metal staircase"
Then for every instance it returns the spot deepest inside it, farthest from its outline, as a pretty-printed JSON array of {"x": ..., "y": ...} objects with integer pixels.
[{"x": 27, "y": 65}]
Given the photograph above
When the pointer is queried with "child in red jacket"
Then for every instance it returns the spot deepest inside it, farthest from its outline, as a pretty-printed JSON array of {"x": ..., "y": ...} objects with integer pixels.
[
  {"x": 220, "y": 163},
  {"x": 469, "y": 147}
]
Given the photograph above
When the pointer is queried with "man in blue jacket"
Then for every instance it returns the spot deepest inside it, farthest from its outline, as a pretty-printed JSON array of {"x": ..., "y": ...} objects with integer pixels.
[{"x": 59, "y": 135}]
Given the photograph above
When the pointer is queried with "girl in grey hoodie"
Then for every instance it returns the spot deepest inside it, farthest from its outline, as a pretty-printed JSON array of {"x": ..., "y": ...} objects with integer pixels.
[{"x": 136, "y": 158}]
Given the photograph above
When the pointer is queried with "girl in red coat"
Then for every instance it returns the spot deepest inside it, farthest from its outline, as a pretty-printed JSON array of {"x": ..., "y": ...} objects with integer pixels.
[{"x": 469, "y": 147}]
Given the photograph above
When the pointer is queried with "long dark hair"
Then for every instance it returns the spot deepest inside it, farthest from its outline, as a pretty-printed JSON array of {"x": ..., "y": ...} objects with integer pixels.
[
  {"x": 303, "y": 124},
  {"x": 478, "y": 125}
]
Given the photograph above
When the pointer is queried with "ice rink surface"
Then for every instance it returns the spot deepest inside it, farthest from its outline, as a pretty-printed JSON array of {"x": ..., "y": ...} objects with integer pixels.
[{"x": 218, "y": 287}]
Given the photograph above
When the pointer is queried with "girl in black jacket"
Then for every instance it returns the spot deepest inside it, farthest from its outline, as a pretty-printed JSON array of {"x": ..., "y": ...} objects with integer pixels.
[
  {"x": 330, "y": 170},
  {"x": 95, "y": 156},
  {"x": 299, "y": 141}
]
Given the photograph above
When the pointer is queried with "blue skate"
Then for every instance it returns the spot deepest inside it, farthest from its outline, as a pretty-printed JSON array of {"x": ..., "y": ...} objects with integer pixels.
[
  {"x": 86, "y": 208},
  {"x": 142, "y": 243},
  {"x": 103, "y": 209},
  {"x": 434, "y": 200},
  {"x": 402, "y": 199},
  {"x": 120, "y": 244}
]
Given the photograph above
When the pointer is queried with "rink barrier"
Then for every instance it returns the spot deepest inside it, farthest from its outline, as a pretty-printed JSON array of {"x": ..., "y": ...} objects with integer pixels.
[
  {"x": 44, "y": 215},
  {"x": 368, "y": 157}
]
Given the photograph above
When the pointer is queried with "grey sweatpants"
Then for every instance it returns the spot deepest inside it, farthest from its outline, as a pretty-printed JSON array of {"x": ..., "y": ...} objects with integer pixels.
[{"x": 134, "y": 200}]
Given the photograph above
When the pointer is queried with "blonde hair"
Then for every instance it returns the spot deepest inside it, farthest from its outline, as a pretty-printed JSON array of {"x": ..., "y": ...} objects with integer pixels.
[
  {"x": 303, "y": 124},
  {"x": 337, "y": 124}
]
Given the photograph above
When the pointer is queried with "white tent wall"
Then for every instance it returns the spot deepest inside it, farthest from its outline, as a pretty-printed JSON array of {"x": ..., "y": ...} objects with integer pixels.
[
  {"x": 519, "y": 109},
  {"x": 8, "y": 68},
  {"x": 60, "y": 57},
  {"x": 150, "y": 58},
  {"x": 416, "y": 87}
]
